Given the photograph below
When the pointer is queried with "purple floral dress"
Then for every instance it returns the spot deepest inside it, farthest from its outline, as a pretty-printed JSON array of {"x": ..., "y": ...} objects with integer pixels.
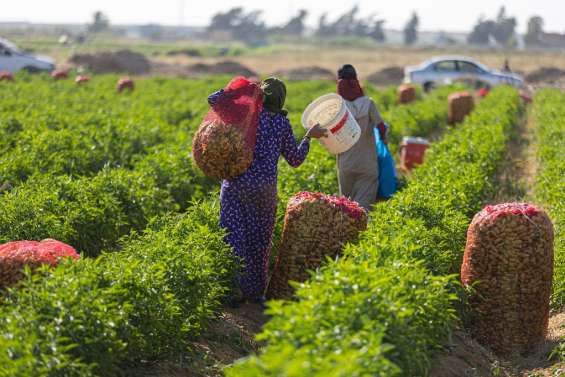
[{"x": 248, "y": 203}]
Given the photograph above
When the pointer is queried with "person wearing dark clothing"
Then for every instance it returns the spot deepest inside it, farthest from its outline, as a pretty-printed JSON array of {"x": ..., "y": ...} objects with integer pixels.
[{"x": 248, "y": 202}]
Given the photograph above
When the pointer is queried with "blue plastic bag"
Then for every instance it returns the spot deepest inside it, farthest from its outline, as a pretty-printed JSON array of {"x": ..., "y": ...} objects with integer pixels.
[{"x": 387, "y": 168}]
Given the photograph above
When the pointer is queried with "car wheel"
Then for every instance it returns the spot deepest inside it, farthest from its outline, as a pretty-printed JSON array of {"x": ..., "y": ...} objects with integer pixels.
[
  {"x": 31, "y": 69},
  {"x": 428, "y": 86}
]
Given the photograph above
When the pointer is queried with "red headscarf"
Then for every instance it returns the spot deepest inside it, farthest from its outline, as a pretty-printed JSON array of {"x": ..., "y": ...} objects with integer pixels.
[{"x": 350, "y": 89}]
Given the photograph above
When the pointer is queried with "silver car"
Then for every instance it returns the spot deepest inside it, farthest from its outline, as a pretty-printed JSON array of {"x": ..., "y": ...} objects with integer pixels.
[
  {"x": 448, "y": 69},
  {"x": 12, "y": 59}
]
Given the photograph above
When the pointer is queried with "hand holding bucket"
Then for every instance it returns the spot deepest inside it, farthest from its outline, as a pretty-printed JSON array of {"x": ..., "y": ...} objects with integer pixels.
[
  {"x": 317, "y": 132},
  {"x": 330, "y": 112}
]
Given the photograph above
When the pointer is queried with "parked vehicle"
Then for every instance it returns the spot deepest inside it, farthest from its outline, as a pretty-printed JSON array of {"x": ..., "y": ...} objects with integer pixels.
[
  {"x": 448, "y": 69},
  {"x": 12, "y": 59}
]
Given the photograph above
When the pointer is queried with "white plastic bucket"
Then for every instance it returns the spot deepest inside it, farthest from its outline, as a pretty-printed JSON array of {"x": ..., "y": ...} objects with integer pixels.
[{"x": 331, "y": 112}]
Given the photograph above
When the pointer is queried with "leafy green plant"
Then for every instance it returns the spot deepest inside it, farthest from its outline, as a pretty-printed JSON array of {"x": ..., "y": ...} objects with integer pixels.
[
  {"x": 549, "y": 114},
  {"x": 389, "y": 302},
  {"x": 95, "y": 316}
]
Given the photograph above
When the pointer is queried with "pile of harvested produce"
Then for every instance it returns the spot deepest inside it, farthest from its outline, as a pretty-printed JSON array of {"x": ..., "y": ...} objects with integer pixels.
[
  {"x": 459, "y": 106},
  {"x": 509, "y": 262},
  {"x": 316, "y": 226},
  {"x": 224, "y": 144},
  {"x": 406, "y": 93},
  {"x": 6, "y": 76},
  {"x": 82, "y": 79},
  {"x": 60, "y": 74},
  {"x": 125, "y": 83},
  {"x": 14, "y": 256}
]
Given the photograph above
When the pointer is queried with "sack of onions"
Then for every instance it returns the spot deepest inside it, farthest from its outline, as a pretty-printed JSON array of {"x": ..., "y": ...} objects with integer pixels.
[
  {"x": 316, "y": 226},
  {"x": 508, "y": 261},
  {"x": 15, "y": 255},
  {"x": 224, "y": 143}
]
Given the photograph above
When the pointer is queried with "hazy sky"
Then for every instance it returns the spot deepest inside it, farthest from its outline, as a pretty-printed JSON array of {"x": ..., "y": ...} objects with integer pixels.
[{"x": 453, "y": 15}]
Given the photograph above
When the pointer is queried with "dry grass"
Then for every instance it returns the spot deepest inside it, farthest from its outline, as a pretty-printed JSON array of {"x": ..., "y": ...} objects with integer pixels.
[{"x": 368, "y": 61}]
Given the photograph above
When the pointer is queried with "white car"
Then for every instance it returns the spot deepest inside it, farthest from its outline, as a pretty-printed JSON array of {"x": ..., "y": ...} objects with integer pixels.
[
  {"x": 448, "y": 69},
  {"x": 12, "y": 59}
]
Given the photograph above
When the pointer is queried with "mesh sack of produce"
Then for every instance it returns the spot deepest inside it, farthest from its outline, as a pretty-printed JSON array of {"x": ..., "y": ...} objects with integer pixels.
[
  {"x": 6, "y": 76},
  {"x": 17, "y": 254},
  {"x": 223, "y": 145},
  {"x": 125, "y": 83},
  {"x": 508, "y": 261},
  {"x": 60, "y": 74},
  {"x": 406, "y": 93},
  {"x": 459, "y": 106},
  {"x": 316, "y": 226}
]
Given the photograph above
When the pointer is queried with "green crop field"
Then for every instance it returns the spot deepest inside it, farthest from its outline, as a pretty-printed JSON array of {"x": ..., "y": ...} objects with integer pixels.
[{"x": 111, "y": 174}]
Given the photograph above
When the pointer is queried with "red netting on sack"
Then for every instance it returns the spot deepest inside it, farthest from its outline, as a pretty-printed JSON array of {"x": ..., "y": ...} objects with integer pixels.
[
  {"x": 17, "y": 254},
  {"x": 459, "y": 106},
  {"x": 6, "y": 76},
  {"x": 316, "y": 226},
  {"x": 509, "y": 261},
  {"x": 406, "y": 94},
  {"x": 224, "y": 143}
]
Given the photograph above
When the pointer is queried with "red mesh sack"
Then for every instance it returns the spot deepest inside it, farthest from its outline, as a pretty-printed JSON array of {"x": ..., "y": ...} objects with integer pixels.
[
  {"x": 316, "y": 226},
  {"x": 125, "y": 83},
  {"x": 224, "y": 143},
  {"x": 483, "y": 92},
  {"x": 82, "y": 79},
  {"x": 406, "y": 93},
  {"x": 6, "y": 76},
  {"x": 17, "y": 254},
  {"x": 60, "y": 74},
  {"x": 509, "y": 261},
  {"x": 459, "y": 106}
]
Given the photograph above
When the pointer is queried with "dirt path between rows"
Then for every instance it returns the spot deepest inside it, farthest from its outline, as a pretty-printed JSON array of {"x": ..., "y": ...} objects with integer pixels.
[
  {"x": 230, "y": 337},
  {"x": 463, "y": 356}
]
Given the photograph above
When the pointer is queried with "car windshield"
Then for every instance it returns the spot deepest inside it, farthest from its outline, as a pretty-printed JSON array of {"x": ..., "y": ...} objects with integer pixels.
[{"x": 10, "y": 46}]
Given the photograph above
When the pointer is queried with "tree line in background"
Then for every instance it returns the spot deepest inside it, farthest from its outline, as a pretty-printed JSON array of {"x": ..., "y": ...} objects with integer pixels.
[{"x": 248, "y": 27}]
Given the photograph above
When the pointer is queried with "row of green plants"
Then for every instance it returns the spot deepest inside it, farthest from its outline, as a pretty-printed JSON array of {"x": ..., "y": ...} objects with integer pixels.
[
  {"x": 386, "y": 306},
  {"x": 426, "y": 117},
  {"x": 86, "y": 165},
  {"x": 549, "y": 118},
  {"x": 104, "y": 316},
  {"x": 58, "y": 128},
  {"x": 147, "y": 302}
]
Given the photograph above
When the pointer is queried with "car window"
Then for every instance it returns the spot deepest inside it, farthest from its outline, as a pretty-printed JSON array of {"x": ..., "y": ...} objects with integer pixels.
[
  {"x": 445, "y": 66},
  {"x": 4, "y": 51},
  {"x": 468, "y": 67}
]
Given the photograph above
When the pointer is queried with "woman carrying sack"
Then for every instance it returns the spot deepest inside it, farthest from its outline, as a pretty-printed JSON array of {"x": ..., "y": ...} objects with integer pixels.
[
  {"x": 358, "y": 167},
  {"x": 248, "y": 203}
]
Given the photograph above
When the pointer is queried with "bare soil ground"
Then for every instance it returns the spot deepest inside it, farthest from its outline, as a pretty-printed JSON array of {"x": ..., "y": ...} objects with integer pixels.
[
  {"x": 231, "y": 337},
  {"x": 369, "y": 61},
  {"x": 381, "y": 66},
  {"x": 463, "y": 356},
  {"x": 306, "y": 73},
  {"x": 108, "y": 62}
]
